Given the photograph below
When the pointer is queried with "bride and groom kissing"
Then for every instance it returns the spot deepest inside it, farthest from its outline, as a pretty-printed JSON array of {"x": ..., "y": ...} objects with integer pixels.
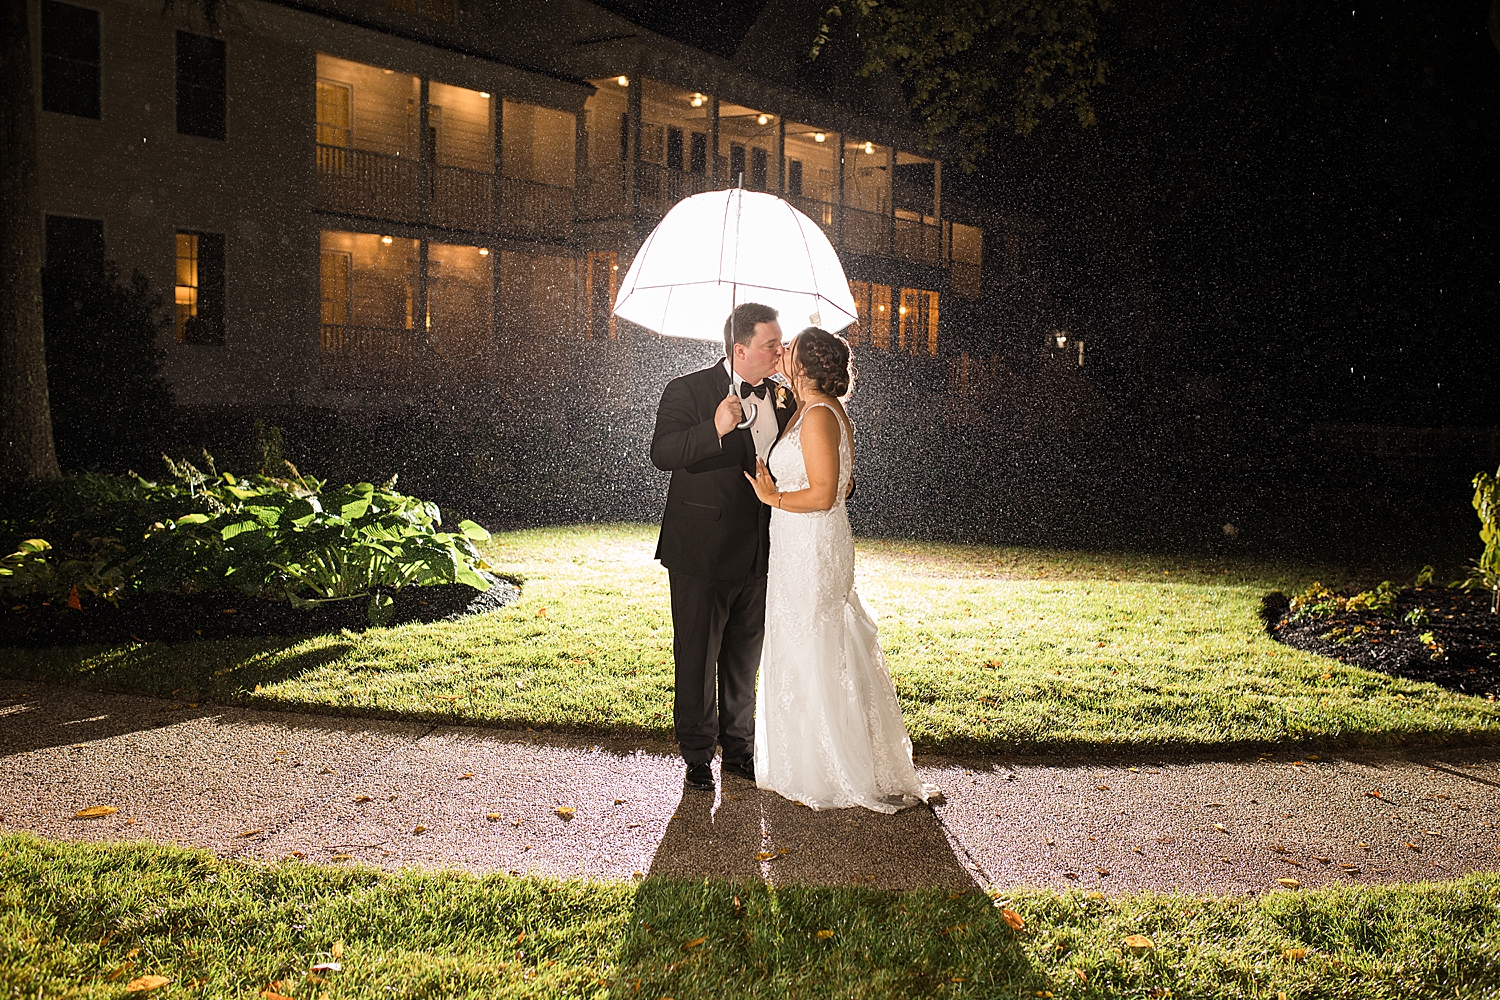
[{"x": 777, "y": 657}]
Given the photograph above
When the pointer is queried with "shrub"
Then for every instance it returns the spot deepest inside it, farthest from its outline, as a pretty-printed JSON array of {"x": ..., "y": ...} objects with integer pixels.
[
  {"x": 1484, "y": 572},
  {"x": 290, "y": 539},
  {"x": 1317, "y": 601}
]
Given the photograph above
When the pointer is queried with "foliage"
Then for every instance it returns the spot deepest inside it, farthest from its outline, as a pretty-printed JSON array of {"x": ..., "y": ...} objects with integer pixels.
[
  {"x": 1485, "y": 571},
  {"x": 977, "y": 68},
  {"x": 1317, "y": 601},
  {"x": 293, "y": 539},
  {"x": 110, "y": 401},
  {"x": 1417, "y": 616}
]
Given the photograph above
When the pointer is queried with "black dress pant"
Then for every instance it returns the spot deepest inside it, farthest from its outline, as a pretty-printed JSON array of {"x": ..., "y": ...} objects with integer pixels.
[{"x": 718, "y": 627}]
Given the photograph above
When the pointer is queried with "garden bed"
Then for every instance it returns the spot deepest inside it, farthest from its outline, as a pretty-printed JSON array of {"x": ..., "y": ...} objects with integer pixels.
[
  {"x": 1455, "y": 644},
  {"x": 223, "y": 614}
]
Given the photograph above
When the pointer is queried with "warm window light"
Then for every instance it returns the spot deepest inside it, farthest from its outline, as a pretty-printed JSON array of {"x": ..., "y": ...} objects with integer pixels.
[
  {"x": 484, "y": 94},
  {"x": 386, "y": 240},
  {"x": 869, "y": 147},
  {"x": 623, "y": 81},
  {"x": 819, "y": 137},
  {"x": 763, "y": 119},
  {"x": 1062, "y": 340},
  {"x": 903, "y": 310},
  {"x": 484, "y": 251},
  {"x": 882, "y": 308},
  {"x": 697, "y": 101}
]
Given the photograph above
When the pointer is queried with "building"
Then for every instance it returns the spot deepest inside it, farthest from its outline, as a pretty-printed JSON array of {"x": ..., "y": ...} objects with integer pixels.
[{"x": 355, "y": 199}]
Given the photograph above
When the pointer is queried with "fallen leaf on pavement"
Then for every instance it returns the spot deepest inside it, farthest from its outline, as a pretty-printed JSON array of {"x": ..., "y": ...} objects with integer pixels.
[
  {"x": 1432, "y": 833},
  {"x": 564, "y": 812},
  {"x": 1373, "y": 794},
  {"x": 251, "y": 833},
  {"x": 1140, "y": 942},
  {"x": 361, "y": 798},
  {"x": 146, "y": 983},
  {"x": 419, "y": 829},
  {"x": 695, "y": 942},
  {"x": 492, "y": 817},
  {"x": 1290, "y": 883},
  {"x": 1221, "y": 828},
  {"x": 1412, "y": 846},
  {"x": 765, "y": 855},
  {"x": 94, "y": 812},
  {"x": 466, "y": 776},
  {"x": 619, "y": 802}
]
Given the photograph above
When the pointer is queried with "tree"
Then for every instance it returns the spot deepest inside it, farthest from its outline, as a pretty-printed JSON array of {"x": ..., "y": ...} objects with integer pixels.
[
  {"x": 26, "y": 449},
  {"x": 976, "y": 69}
]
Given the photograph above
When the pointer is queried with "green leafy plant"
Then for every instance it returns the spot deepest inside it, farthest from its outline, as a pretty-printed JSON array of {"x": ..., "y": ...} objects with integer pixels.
[
  {"x": 1317, "y": 601},
  {"x": 1424, "y": 577},
  {"x": 1417, "y": 616},
  {"x": 1484, "y": 572},
  {"x": 290, "y": 539}
]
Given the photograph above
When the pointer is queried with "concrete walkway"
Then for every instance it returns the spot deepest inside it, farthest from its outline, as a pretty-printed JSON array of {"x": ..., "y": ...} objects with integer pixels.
[{"x": 268, "y": 785}]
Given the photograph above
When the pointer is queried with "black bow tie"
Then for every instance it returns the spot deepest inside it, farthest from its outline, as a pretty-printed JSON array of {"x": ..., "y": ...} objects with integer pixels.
[{"x": 759, "y": 389}]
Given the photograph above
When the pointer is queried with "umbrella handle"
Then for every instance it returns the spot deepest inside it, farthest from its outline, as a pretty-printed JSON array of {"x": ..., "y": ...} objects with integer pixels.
[{"x": 748, "y": 420}]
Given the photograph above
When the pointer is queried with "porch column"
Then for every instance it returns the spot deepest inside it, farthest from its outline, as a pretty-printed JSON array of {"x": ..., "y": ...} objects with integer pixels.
[
  {"x": 424, "y": 331},
  {"x": 713, "y": 141},
  {"x": 890, "y": 197},
  {"x": 425, "y": 156},
  {"x": 839, "y": 209},
  {"x": 780, "y": 155},
  {"x": 634, "y": 105},
  {"x": 497, "y": 225}
]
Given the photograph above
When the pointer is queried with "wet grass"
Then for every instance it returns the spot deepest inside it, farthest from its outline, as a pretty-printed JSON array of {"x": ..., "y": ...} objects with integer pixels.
[
  {"x": 991, "y": 649},
  {"x": 85, "y": 921}
]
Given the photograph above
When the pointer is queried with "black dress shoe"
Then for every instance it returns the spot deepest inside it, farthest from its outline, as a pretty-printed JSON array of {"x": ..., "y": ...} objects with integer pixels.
[
  {"x": 700, "y": 777},
  {"x": 744, "y": 767}
]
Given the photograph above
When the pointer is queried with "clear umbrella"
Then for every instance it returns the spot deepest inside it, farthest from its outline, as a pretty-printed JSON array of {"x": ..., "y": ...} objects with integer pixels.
[{"x": 715, "y": 250}]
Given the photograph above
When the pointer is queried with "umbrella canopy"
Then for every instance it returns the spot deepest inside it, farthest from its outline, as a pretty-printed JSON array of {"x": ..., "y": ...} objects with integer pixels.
[{"x": 719, "y": 249}]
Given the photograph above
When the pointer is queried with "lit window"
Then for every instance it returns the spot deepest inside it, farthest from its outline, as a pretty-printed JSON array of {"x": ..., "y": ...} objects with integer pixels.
[{"x": 187, "y": 283}]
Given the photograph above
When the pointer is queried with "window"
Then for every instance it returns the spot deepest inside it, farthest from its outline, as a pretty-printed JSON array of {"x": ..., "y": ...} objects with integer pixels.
[
  {"x": 794, "y": 178},
  {"x": 70, "y": 59},
  {"x": 334, "y": 100},
  {"x": 334, "y": 272},
  {"x": 917, "y": 331},
  {"x": 736, "y": 163},
  {"x": 199, "y": 294},
  {"x": 698, "y": 153},
  {"x": 75, "y": 247},
  {"x": 200, "y": 86},
  {"x": 758, "y": 168},
  {"x": 674, "y": 147}
]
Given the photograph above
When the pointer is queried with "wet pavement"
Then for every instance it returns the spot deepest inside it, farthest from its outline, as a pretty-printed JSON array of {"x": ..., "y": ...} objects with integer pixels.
[{"x": 267, "y": 785}]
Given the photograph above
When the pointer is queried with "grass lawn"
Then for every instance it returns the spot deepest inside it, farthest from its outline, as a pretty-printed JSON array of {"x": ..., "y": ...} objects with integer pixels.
[
  {"x": 87, "y": 920},
  {"x": 990, "y": 648}
]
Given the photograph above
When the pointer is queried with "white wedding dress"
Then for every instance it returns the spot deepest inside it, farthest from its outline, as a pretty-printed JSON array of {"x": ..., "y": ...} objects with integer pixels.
[{"x": 828, "y": 729}]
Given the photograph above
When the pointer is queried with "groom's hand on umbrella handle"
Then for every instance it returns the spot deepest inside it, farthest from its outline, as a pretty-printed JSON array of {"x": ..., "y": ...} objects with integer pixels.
[{"x": 730, "y": 413}]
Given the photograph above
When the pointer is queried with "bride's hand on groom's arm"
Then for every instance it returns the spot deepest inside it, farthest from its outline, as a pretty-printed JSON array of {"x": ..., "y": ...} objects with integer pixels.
[{"x": 765, "y": 486}]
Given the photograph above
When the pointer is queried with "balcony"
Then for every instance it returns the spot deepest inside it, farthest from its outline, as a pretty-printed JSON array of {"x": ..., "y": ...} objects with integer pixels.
[
  {"x": 374, "y": 185},
  {"x": 352, "y": 357},
  {"x": 663, "y": 187},
  {"x": 462, "y": 199},
  {"x": 919, "y": 240},
  {"x": 535, "y": 211}
]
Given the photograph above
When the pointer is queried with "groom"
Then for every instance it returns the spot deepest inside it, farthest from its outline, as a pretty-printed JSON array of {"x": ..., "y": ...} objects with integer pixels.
[{"x": 714, "y": 539}]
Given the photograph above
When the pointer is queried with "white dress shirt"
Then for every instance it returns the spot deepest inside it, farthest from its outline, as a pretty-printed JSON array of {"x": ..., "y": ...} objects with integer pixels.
[{"x": 765, "y": 429}]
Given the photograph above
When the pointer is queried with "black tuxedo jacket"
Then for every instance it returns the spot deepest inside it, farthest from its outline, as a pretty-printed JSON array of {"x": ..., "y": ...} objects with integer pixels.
[{"x": 714, "y": 525}]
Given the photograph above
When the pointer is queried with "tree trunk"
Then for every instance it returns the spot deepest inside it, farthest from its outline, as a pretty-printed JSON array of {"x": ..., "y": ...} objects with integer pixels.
[{"x": 26, "y": 450}]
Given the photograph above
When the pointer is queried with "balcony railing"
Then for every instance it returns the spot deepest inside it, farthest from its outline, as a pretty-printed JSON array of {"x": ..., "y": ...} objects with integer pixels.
[
  {"x": 663, "y": 187},
  {"x": 462, "y": 199},
  {"x": 358, "y": 182},
  {"x": 605, "y": 191},
  {"x": 824, "y": 213},
  {"x": 919, "y": 240},
  {"x": 351, "y": 354},
  {"x": 867, "y": 232},
  {"x": 532, "y": 210}
]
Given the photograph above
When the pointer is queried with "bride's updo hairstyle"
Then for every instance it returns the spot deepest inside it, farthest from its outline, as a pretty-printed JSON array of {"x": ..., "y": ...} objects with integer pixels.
[{"x": 824, "y": 358}]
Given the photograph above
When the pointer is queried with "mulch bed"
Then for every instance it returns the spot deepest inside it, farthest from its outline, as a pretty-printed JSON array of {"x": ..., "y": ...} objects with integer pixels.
[
  {"x": 222, "y": 614},
  {"x": 1464, "y": 654}
]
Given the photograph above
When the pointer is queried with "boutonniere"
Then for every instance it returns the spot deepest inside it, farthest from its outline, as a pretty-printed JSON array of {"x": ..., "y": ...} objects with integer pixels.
[{"x": 781, "y": 396}]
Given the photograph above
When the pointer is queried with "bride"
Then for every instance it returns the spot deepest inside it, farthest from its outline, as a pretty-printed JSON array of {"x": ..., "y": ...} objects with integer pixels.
[{"x": 828, "y": 730}]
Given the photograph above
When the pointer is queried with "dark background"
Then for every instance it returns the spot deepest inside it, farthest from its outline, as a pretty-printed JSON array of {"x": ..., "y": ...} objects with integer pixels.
[{"x": 1283, "y": 221}]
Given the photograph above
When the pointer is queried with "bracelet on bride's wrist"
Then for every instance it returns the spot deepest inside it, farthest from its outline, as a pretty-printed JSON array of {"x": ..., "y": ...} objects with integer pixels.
[{"x": 779, "y": 495}]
